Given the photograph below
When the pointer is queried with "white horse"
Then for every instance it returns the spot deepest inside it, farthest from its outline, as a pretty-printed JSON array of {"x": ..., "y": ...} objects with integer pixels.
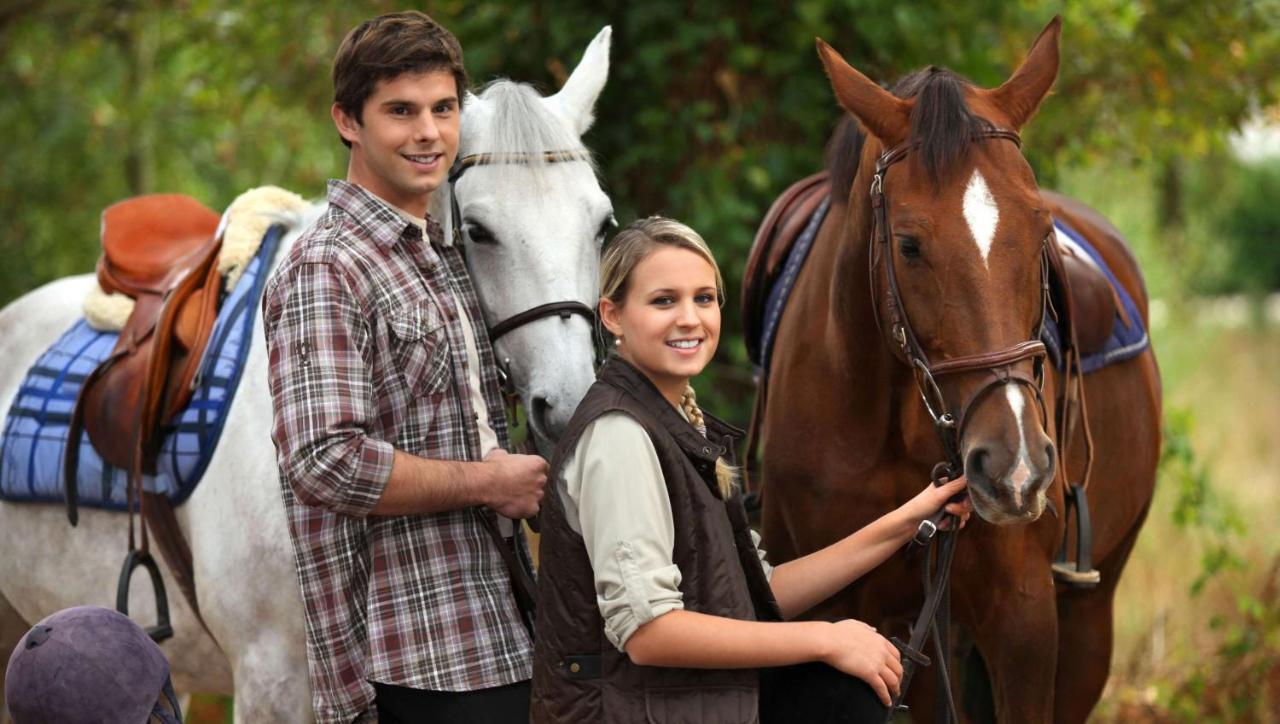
[{"x": 542, "y": 246}]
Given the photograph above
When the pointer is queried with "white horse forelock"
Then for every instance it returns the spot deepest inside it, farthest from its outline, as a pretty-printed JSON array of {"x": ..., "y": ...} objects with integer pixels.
[{"x": 513, "y": 118}]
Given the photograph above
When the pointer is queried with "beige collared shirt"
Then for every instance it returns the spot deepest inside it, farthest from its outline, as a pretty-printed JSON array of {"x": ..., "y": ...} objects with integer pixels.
[{"x": 615, "y": 497}]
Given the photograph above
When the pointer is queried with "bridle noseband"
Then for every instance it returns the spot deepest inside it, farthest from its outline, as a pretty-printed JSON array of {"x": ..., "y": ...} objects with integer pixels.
[{"x": 999, "y": 365}]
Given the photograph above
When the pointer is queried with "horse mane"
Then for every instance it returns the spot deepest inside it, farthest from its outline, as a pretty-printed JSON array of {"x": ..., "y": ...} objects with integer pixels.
[
  {"x": 942, "y": 128},
  {"x": 844, "y": 151},
  {"x": 522, "y": 124}
]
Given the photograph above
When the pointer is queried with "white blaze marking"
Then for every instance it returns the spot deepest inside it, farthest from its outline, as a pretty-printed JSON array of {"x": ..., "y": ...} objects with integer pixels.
[
  {"x": 982, "y": 214},
  {"x": 1021, "y": 471}
]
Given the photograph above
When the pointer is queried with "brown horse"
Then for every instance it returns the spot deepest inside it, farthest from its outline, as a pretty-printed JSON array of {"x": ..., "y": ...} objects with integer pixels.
[{"x": 846, "y": 436}]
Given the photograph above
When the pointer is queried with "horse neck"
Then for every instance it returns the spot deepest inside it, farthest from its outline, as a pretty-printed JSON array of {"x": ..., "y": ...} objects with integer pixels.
[{"x": 852, "y": 314}]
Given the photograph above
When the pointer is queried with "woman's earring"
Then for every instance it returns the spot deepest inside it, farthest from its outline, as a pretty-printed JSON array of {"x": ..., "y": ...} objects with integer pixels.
[{"x": 617, "y": 342}]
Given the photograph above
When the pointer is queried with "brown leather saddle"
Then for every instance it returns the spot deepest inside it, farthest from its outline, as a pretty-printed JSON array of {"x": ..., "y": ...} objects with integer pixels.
[
  {"x": 774, "y": 240},
  {"x": 1085, "y": 296},
  {"x": 161, "y": 251}
]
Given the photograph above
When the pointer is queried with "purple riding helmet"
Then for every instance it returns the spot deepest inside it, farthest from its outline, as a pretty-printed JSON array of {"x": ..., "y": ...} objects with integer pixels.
[{"x": 89, "y": 664}]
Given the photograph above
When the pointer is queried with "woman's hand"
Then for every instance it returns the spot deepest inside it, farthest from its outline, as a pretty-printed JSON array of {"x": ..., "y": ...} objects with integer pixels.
[
  {"x": 856, "y": 649},
  {"x": 933, "y": 497}
]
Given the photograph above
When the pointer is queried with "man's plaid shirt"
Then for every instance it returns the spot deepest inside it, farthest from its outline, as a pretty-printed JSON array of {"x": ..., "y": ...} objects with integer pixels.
[{"x": 366, "y": 356}]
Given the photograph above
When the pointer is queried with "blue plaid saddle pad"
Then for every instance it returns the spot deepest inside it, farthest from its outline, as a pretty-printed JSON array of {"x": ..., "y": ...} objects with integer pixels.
[{"x": 35, "y": 431}]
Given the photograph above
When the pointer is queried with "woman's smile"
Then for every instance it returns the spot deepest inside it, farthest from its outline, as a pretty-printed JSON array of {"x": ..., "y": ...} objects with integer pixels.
[{"x": 668, "y": 325}]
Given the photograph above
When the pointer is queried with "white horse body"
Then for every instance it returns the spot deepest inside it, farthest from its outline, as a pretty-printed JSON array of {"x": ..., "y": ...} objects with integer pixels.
[{"x": 243, "y": 559}]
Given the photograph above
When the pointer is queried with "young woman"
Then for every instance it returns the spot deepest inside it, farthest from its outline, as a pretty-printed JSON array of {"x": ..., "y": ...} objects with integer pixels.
[{"x": 654, "y": 600}]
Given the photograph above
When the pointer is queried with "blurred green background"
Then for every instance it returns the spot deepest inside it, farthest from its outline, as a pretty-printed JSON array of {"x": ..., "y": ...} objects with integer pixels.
[{"x": 712, "y": 109}]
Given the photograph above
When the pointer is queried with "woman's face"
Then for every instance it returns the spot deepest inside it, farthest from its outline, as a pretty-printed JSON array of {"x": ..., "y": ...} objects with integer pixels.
[{"x": 669, "y": 323}]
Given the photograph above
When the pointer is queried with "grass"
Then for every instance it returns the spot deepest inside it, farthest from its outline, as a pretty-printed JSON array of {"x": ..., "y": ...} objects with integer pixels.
[{"x": 1172, "y": 647}]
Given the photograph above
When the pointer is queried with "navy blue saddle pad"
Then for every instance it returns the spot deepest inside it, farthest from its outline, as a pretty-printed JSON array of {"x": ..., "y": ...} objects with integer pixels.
[{"x": 35, "y": 432}]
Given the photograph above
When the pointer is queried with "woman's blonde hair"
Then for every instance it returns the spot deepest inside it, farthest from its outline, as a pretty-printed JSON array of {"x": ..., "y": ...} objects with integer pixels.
[{"x": 629, "y": 247}]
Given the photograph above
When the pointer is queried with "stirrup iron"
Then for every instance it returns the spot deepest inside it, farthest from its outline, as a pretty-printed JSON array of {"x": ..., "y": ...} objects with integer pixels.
[{"x": 1080, "y": 574}]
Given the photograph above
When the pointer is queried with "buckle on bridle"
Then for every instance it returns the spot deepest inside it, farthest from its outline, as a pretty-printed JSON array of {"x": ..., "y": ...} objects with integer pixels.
[{"x": 925, "y": 533}]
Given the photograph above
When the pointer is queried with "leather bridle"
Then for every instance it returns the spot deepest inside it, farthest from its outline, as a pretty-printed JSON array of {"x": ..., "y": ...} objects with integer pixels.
[
  {"x": 1000, "y": 367},
  {"x": 551, "y": 309},
  {"x": 561, "y": 309}
]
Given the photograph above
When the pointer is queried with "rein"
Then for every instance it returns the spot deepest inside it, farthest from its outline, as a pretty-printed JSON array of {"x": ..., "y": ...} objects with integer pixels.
[
  {"x": 561, "y": 309},
  {"x": 1000, "y": 367}
]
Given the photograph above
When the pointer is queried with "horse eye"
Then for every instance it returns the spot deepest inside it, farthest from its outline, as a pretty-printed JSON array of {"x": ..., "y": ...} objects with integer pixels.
[
  {"x": 479, "y": 234},
  {"x": 606, "y": 226},
  {"x": 909, "y": 247}
]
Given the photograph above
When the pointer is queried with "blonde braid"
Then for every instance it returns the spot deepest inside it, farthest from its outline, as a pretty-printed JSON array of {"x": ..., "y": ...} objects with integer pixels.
[
  {"x": 689, "y": 401},
  {"x": 726, "y": 474}
]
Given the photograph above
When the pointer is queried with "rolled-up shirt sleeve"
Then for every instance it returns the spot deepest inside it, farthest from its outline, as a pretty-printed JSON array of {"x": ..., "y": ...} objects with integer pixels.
[
  {"x": 763, "y": 556},
  {"x": 319, "y": 347},
  {"x": 617, "y": 498}
]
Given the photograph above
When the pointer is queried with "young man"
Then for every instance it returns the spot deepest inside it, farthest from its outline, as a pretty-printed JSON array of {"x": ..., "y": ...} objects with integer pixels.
[{"x": 388, "y": 419}]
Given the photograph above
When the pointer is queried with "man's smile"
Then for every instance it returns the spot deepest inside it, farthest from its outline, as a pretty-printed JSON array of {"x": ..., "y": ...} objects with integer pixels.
[{"x": 423, "y": 160}]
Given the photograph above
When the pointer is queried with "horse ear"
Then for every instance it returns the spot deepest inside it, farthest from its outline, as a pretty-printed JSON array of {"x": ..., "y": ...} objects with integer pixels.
[
  {"x": 577, "y": 99},
  {"x": 884, "y": 116},
  {"x": 1020, "y": 96}
]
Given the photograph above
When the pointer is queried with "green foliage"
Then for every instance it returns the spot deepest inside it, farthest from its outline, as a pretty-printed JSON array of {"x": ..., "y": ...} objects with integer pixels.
[
  {"x": 1236, "y": 683},
  {"x": 1249, "y": 221},
  {"x": 1241, "y": 682},
  {"x": 1198, "y": 507}
]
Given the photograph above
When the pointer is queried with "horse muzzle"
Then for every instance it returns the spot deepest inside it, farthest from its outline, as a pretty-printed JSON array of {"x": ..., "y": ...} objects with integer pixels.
[{"x": 1008, "y": 485}]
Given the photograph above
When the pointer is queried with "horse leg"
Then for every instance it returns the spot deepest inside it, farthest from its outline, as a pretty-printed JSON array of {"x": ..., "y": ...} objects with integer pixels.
[
  {"x": 12, "y": 628},
  {"x": 1085, "y": 629},
  {"x": 270, "y": 686},
  {"x": 1015, "y": 629}
]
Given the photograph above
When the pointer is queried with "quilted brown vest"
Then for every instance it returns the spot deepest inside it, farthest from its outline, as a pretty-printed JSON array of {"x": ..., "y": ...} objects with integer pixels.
[{"x": 578, "y": 675}]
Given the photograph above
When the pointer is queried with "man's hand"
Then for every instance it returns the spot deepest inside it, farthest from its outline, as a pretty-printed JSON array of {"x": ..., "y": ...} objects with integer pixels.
[{"x": 516, "y": 483}]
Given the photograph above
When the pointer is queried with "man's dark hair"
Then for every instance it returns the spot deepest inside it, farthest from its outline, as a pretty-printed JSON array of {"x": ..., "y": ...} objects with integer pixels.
[{"x": 387, "y": 46}]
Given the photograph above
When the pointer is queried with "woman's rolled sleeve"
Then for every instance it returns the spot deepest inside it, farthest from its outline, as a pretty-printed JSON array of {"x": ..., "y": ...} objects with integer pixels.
[
  {"x": 618, "y": 500},
  {"x": 762, "y": 555}
]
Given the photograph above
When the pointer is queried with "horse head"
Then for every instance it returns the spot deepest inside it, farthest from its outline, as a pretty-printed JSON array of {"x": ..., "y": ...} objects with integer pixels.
[
  {"x": 533, "y": 217},
  {"x": 958, "y": 234}
]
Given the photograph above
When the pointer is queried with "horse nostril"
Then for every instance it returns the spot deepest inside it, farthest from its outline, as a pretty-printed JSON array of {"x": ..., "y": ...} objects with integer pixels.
[
  {"x": 973, "y": 467},
  {"x": 1050, "y": 458},
  {"x": 538, "y": 408}
]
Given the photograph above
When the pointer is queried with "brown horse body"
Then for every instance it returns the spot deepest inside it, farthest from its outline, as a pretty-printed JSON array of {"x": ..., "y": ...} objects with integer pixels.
[{"x": 846, "y": 437}]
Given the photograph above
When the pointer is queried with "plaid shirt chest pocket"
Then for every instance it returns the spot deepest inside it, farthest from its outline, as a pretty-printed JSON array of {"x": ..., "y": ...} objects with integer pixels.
[{"x": 420, "y": 345}]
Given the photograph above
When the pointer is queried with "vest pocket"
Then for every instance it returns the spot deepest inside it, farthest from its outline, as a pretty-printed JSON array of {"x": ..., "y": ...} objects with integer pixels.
[
  {"x": 421, "y": 347},
  {"x": 715, "y": 704}
]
